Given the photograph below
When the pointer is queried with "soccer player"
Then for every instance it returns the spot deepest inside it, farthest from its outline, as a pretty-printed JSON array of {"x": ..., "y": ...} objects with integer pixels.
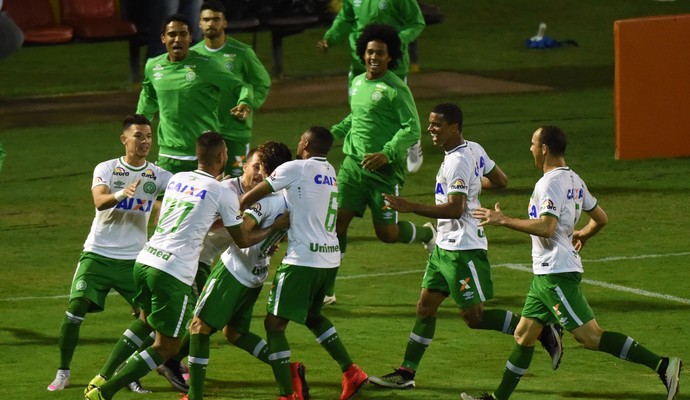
[
  {"x": 403, "y": 15},
  {"x": 461, "y": 246},
  {"x": 382, "y": 124},
  {"x": 311, "y": 262},
  {"x": 228, "y": 299},
  {"x": 124, "y": 190},
  {"x": 241, "y": 60},
  {"x": 185, "y": 87},
  {"x": 555, "y": 295},
  {"x": 166, "y": 266}
]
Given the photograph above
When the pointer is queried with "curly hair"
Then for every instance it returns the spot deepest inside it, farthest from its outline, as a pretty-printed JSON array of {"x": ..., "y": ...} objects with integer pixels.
[
  {"x": 381, "y": 33},
  {"x": 273, "y": 154}
]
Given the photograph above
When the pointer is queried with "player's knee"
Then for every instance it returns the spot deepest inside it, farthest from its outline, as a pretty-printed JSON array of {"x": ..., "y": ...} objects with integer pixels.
[
  {"x": 424, "y": 310},
  {"x": 199, "y": 327},
  {"x": 231, "y": 335},
  {"x": 78, "y": 307}
]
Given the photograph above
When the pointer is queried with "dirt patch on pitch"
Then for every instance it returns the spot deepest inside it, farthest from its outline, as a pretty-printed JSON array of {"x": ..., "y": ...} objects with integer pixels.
[{"x": 284, "y": 95}]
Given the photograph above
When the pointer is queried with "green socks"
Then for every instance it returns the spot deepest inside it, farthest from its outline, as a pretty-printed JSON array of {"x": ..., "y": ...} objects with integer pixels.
[
  {"x": 516, "y": 368},
  {"x": 420, "y": 338},
  {"x": 328, "y": 338},
  {"x": 254, "y": 345},
  {"x": 199, "y": 349},
  {"x": 69, "y": 330},
  {"x": 279, "y": 358},
  {"x": 499, "y": 320},
  {"x": 411, "y": 233},
  {"x": 626, "y": 348},
  {"x": 138, "y": 365},
  {"x": 137, "y": 333}
]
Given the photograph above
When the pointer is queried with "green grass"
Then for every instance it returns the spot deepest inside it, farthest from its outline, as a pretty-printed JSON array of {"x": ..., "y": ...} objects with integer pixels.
[{"x": 46, "y": 211}]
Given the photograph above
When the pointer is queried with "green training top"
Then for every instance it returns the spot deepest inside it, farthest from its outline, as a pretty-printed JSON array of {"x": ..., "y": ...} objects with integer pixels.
[
  {"x": 240, "y": 59},
  {"x": 403, "y": 15},
  {"x": 383, "y": 119},
  {"x": 186, "y": 95}
]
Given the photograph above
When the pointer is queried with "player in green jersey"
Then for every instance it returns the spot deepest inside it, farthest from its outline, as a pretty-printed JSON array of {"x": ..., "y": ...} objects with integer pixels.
[
  {"x": 382, "y": 124},
  {"x": 241, "y": 60},
  {"x": 555, "y": 295},
  {"x": 403, "y": 15},
  {"x": 185, "y": 87},
  {"x": 458, "y": 267}
]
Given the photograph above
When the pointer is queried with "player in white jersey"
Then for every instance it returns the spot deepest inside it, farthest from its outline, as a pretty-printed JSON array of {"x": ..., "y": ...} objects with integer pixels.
[
  {"x": 124, "y": 190},
  {"x": 311, "y": 261},
  {"x": 555, "y": 294},
  {"x": 166, "y": 266},
  {"x": 458, "y": 266}
]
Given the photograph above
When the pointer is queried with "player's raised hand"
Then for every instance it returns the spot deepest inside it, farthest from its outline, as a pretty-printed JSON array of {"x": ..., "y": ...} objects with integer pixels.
[
  {"x": 241, "y": 111},
  {"x": 129, "y": 190},
  {"x": 489, "y": 217},
  {"x": 322, "y": 46}
]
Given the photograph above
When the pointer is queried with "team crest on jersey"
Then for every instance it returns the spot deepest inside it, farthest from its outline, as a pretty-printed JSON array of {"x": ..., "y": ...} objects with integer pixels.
[
  {"x": 547, "y": 205},
  {"x": 376, "y": 96},
  {"x": 230, "y": 66},
  {"x": 119, "y": 171},
  {"x": 190, "y": 76},
  {"x": 149, "y": 187},
  {"x": 81, "y": 285},
  {"x": 459, "y": 184},
  {"x": 383, "y": 5}
]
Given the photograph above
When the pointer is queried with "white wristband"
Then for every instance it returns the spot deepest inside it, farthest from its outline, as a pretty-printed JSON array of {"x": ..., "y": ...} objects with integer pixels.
[{"x": 119, "y": 195}]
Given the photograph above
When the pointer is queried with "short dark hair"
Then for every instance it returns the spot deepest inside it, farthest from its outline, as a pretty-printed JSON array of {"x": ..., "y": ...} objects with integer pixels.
[
  {"x": 175, "y": 17},
  {"x": 273, "y": 154},
  {"x": 213, "y": 5},
  {"x": 207, "y": 146},
  {"x": 452, "y": 114},
  {"x": 134, "y": 119},
  {"x": 554, "y": 138},
  {"x": 320, "y": 140},
  {"x": 381, "y": 33},
  {"x": 250, "y": 153}
]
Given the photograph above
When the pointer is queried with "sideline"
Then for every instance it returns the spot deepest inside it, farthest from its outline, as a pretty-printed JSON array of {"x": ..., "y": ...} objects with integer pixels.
[{"x": 517, "y": 267}]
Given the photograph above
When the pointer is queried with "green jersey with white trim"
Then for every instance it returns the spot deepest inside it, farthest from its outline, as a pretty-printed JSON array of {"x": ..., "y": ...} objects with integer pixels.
[
  {"x": 240, "y": 60},
  {"x": 403, "y": 15},
  {"x": 186, "y": 95},
  {"x": 191, "y": 204},
  {"x": 562, "y": 194},
  {"x": 120, "y": 232},
  {"x": 461, "y": 174},
  {"x": 383, "y": 119},
  {"x": 311, "y": 191}
]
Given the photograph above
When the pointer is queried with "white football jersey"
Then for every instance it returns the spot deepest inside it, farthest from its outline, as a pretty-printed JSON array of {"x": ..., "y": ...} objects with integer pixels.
[
  {"x": 218, "y": 238},
  {"x": 250, "y": 265},
  {"x": 121, "y": 231},
  {"x": 191, "y": 204},
  {"x": 461, "y": 174},
  {"x": 560, "y": 193},
  {"x": 312, "y": 198}
]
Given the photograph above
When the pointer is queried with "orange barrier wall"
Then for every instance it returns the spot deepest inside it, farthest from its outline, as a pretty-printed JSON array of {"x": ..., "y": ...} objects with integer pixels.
[{"x": 652, "y": 88}]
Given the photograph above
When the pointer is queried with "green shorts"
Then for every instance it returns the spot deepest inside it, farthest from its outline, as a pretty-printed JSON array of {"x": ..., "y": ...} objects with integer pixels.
[
  {"x": 237, "y": 155},
  {"x": 298, "y": 291},
  {"x": 226, "y": 301},
  {"x": 558, "y": 298},
  {"x": 359, "y": 189},
  {"x": 465, "y": 275},
  {"x": 166, "y": 300},
  {"x": 97, "y": 274},
  {"x": 173, "y": 165}
]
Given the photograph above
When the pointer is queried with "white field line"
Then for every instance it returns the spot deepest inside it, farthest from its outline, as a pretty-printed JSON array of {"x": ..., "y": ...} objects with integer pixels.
[{"x": 518, "y": 267}]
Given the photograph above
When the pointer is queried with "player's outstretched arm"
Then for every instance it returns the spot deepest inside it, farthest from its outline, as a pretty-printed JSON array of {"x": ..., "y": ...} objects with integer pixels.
[
  {"x": 544, "y": 226},
  {"x": 451, "y": 210}
]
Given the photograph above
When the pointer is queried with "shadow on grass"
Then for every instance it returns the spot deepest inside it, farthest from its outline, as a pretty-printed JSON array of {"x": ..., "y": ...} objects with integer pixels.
[{"x": 28, "y": 337}]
